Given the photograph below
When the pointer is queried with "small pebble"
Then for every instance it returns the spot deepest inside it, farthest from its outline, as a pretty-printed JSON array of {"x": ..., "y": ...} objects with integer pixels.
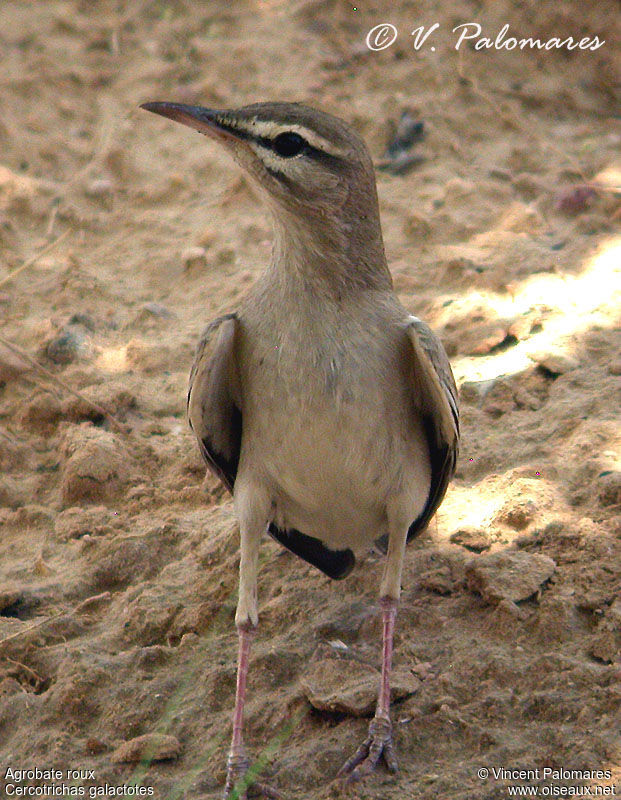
[
  {"x": 511, "y": 576},
  {"x": 471, "y": 538},
  {"x": 41, "y": 414},
  {"x": 556, "y": 363},
  {"x": 516, "y": 513},
  {"x": 422, "y": 670},
  {"x": 501, "y": 174},
  {"x": 575, "y": 199},
  {"x": 66, "y": 347},
  {"x": 605, "y": 647},
  {"x": 99, "y": 188},
  {"x": 95, "y": 467},
  {"x": 82, "y": 319},
  {"x": 609, "y": 488},
  {"x": 437, "y": 580},
  {"x": 149, "y": 747},
  {"x": 194, "y": 257},
  {"x": 397, "y": 159},
  {"x": 409, "y": 131},
  {"x": 338, "y": 645},
  {"x": 158, "y": 310},
  {"x": 350, "y": 687},
  {"x": 41, "y": 567},
  {"x": 614, "y": 368},
  {"x": 95, "y": 746}
]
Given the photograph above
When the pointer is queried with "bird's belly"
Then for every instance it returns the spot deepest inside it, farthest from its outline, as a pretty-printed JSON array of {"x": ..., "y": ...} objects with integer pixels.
[
  {"x": 331, "y": 468},
  {"x": 325, "y": 487}
]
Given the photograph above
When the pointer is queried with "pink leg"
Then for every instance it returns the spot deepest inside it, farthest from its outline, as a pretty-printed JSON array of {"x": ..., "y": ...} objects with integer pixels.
[
  {"x": 246, "y": 635},
  {"x": 389, "y": 614},
  {"x": 238, "y": 762},
  {"x": 379, "y": 741}
]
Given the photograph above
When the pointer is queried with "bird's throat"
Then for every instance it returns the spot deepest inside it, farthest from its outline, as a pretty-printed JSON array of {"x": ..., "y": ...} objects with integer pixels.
[{"x": 334, "y": 255}]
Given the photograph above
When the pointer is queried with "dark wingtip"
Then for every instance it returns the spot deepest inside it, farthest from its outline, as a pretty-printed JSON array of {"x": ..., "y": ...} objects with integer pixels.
[{"x": 336, "y": 564}]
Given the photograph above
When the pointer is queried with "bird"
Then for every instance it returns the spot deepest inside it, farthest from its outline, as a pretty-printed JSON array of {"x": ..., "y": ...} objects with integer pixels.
[{"x": 327, "y": 409}]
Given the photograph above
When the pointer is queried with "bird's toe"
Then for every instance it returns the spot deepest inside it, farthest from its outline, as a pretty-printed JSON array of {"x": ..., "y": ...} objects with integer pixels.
[
  {"x": 241, "y": 784},
  {"x": 377, "y": 745},
  {"x": 262, "y": 790},
  {"x": 240, "y": 790}
]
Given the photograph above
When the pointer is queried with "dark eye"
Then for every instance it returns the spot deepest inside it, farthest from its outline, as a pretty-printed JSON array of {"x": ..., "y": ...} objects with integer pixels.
[{"x": 288, "y": 144}]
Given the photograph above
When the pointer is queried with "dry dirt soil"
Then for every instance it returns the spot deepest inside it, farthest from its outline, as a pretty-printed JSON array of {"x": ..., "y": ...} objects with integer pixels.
[{"x": 127, "y": 233}]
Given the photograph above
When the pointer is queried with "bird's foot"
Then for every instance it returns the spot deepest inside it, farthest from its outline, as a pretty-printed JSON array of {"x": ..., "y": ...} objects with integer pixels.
[
  {"x": 241, "y": 784},
  {"x": 377, "y": 744}
]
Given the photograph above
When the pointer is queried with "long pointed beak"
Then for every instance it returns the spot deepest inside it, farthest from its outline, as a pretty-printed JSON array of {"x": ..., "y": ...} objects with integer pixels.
[{"x": 203, "y": 120}]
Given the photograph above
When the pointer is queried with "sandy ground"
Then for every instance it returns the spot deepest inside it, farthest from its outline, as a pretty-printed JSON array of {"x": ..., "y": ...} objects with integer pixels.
[{"x": 118, "y": 556}]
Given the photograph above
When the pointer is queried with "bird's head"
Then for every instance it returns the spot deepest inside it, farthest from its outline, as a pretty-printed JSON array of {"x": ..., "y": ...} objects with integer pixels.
[
  {"x": 302, "y": 157},
  {"x": 314, "y": 168}
]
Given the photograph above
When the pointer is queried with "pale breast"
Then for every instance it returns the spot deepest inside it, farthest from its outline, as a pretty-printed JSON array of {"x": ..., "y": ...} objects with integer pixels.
[{"x": 331, "y": 428}]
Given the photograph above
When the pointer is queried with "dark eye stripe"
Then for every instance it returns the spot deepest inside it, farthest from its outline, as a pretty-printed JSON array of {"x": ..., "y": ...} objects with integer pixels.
[
  {"x": 278, "y": 174},
  {"x": 327, "y": 159},
  {"x": 310, "y": 151}
]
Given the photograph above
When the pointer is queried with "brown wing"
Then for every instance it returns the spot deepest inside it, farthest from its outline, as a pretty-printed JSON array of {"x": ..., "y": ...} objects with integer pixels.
[
  {"x": 214, "y": 399},
  {"x": 435, "y": 396}
]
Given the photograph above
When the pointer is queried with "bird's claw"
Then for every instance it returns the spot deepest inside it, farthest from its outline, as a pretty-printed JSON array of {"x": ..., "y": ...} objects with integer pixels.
[
  {"x": 240, "y": 783},
  {"x": 378, "y": 744}
]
